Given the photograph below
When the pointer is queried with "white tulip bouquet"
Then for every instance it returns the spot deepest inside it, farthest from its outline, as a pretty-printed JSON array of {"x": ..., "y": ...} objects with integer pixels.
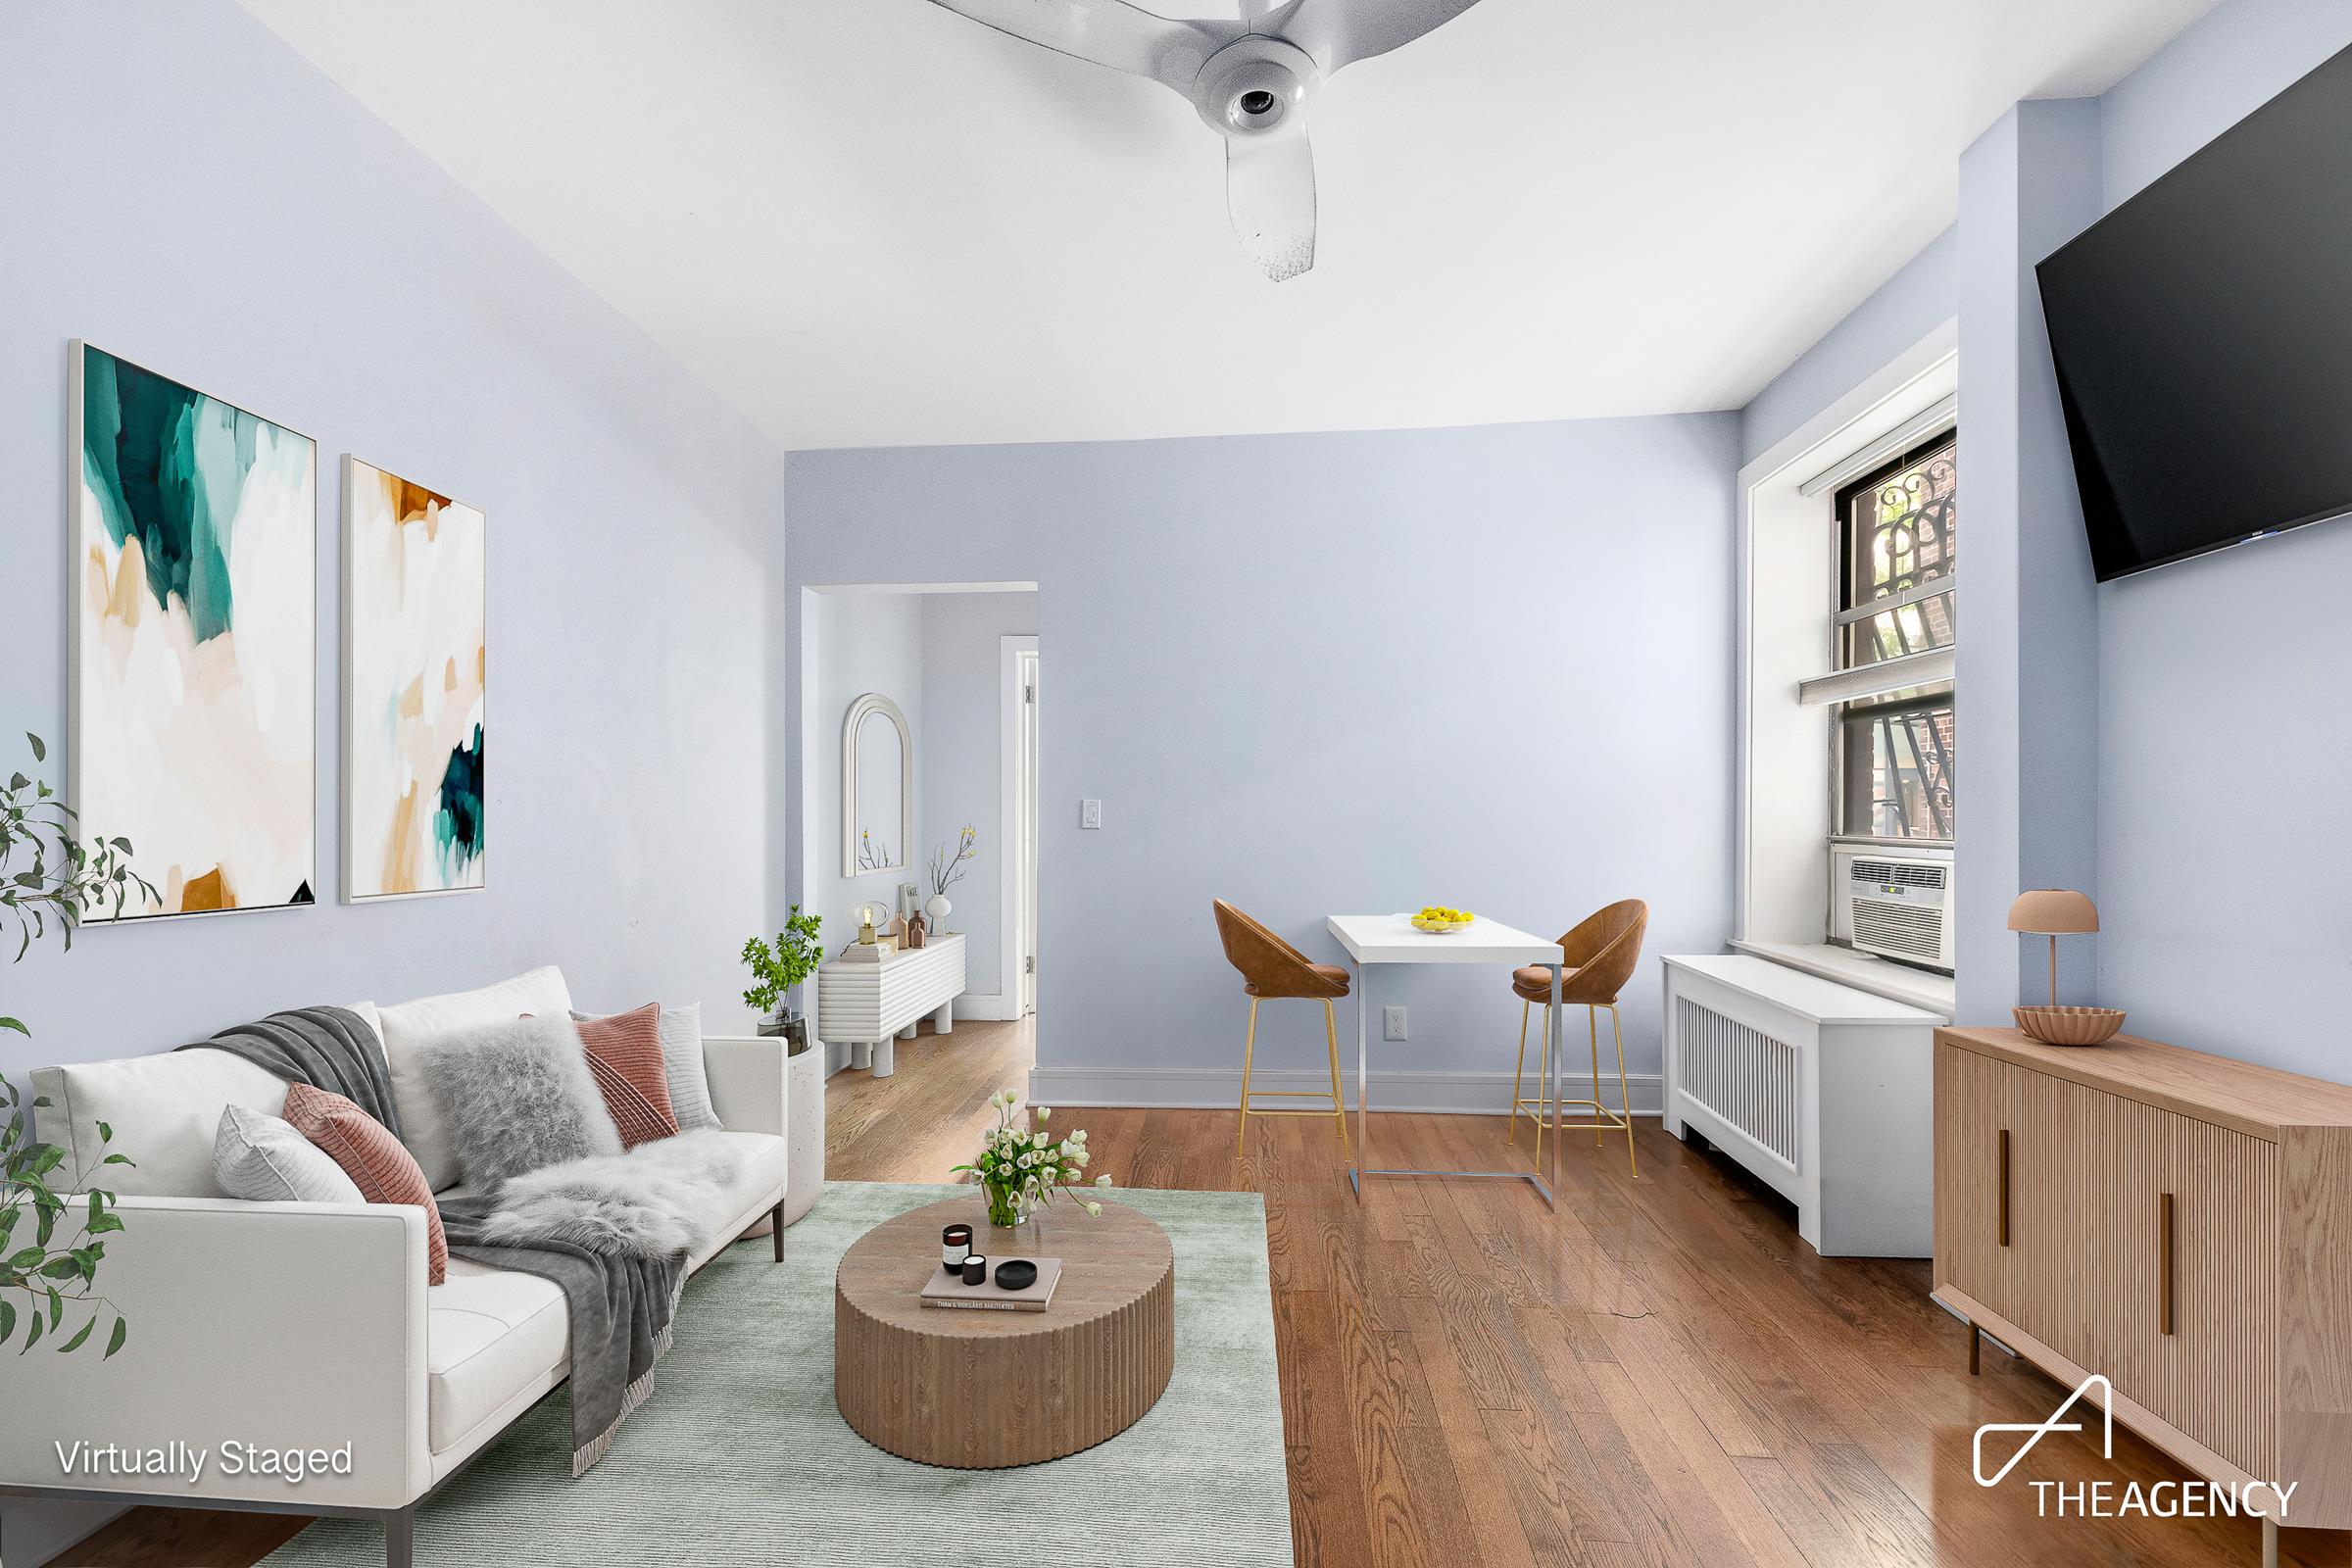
[{"x": 1023, "y": 1168}]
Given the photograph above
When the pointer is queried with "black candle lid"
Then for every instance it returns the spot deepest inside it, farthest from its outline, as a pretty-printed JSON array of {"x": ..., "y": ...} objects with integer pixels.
[{"x": 1016, "y": 1274}]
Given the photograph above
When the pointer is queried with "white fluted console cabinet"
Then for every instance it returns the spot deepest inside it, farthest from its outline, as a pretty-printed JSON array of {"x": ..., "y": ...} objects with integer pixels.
[{"x": 867, "y": 1007}]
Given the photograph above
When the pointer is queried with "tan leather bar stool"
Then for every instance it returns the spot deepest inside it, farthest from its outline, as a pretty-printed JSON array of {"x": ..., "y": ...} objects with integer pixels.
[
  {"x": 1600, "y": 957},
  {"x": 1272, "y": 967}
]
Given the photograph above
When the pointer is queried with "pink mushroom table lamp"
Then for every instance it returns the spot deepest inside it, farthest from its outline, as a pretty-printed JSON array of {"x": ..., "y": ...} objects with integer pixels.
[{"x": 2056, "y": 912}]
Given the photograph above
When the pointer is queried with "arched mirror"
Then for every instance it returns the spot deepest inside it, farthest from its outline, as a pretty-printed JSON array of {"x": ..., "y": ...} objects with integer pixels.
[{"x": 878, "y": 787}]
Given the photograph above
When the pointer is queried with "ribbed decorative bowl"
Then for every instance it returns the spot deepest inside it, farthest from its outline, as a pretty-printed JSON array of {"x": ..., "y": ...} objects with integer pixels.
[{"x": 2069, "y": 1026}]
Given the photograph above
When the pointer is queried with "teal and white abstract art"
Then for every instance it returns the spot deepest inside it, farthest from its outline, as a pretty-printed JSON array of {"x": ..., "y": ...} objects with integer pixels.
[{"x": 195, "y": 540}]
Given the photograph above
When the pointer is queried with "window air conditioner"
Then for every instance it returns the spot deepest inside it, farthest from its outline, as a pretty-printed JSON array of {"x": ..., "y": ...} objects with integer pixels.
[{"x": 1894, "y": 902}]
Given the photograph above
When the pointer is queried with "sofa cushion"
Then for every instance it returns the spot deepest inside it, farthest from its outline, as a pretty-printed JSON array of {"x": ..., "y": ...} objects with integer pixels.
[
  {"x": 490, "y": 1334},
  {"x": 413, "y": 1025},
  {"x": 753, "y": 1191},
  {"x": 624, "y": 1053},
  {"x": 266, "y": 1160},
  {"x": 165, "y": 1110},
  {"x": 518, "y": 1096},
  {"x": 372, "y": 1158},
  {"x": 682, "y": 1059},
  {"x": 682, "y": 1069}
]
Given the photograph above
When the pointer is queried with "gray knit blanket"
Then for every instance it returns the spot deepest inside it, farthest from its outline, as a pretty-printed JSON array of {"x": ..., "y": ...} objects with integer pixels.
[{"x": 621, "y": 1304}]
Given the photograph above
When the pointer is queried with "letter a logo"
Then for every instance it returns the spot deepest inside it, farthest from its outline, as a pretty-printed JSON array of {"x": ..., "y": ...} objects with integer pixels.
[{"x": 2056, "y": 1423}]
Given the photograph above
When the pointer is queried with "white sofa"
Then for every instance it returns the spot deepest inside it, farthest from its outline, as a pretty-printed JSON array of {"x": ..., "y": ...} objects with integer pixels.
[{"x": 305, "y": 1325}]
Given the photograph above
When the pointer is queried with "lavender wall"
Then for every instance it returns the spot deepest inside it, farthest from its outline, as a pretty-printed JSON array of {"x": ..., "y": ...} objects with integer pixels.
[
  {"x": 1922, "y": 295},
  {"x": 2221, "y": 746},
  {"x": 1318, "y": 673},
  {"x": 183, "y": 188}
]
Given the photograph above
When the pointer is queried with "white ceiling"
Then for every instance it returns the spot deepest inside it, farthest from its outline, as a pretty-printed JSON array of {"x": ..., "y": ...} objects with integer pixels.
[{"x": 875, "y": 223}]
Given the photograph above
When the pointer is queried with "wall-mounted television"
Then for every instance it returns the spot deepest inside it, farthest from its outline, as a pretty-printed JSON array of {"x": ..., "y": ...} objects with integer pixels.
[{"x": 2203, "y": 338}]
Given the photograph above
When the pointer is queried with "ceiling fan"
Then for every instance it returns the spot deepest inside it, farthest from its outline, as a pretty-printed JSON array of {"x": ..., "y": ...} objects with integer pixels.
[{"x": 1251, "y": 80}]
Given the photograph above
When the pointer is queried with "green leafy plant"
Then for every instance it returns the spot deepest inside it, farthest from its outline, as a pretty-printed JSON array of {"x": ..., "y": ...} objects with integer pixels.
[
  {"x": 49, "y": 878},
  {"x": 777, "y": 971}
]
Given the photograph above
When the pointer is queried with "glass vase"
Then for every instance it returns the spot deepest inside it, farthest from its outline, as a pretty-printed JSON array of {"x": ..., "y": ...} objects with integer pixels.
[{"x": 1004, "y": 1208}]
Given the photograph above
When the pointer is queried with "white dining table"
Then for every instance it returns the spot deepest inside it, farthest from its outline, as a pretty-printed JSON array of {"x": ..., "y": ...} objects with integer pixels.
[{"x": 1379, "y": 939}]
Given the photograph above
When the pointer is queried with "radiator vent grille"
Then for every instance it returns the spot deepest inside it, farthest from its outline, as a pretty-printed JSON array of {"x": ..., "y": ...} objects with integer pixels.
[
  {"x": 1882, "y": 873},
  {"x": 1915, "y": 929},
  {"x": 1739, "y": 1073}
]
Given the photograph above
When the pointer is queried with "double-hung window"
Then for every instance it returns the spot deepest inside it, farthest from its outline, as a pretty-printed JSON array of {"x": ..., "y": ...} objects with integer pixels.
[{"x": 1891, "y": 693}]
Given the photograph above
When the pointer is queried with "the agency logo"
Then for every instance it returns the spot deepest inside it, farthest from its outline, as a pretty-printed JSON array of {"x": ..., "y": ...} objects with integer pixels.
[
  {"x": 2035, "y": 1432},
  {"x": 2113, "y": 1500}
]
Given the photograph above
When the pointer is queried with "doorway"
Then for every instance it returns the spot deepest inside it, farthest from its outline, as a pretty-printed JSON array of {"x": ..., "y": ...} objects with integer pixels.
[{"x": 1020, "y": 796}]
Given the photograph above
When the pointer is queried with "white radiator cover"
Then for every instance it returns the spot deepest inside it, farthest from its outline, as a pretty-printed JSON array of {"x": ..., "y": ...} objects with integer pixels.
[{"x": 1825, "y": 1092}]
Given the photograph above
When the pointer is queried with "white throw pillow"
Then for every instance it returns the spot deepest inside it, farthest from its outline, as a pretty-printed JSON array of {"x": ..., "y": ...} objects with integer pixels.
[
  {"x": 410, "y": 1027},
  {"x": 263, "y": 1160}
]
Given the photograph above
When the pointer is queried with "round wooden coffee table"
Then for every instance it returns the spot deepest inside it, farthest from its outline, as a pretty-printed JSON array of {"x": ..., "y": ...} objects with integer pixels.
[{"x": 981, "y": 1391}]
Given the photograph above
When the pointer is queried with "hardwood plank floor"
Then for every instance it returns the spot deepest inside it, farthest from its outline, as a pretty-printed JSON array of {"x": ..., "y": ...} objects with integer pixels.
[{"x": 1659, "y": 1374}]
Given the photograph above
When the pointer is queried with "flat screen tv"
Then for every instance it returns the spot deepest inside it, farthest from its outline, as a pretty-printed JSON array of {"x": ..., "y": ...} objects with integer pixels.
[{"x": 2204, "y": 337}]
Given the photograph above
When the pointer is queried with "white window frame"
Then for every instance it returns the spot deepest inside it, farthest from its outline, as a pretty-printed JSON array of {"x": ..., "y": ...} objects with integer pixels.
[{"x": 1788, "y": 542}]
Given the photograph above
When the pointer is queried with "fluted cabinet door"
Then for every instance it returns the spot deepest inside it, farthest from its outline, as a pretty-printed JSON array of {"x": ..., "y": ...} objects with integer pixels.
[
  {"x": 1972, "y": 1108},
  {"x": 2218, "y": 1368}
]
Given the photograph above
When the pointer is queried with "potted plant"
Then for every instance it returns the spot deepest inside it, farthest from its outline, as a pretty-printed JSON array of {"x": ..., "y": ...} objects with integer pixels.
[
  {"x": 777, "y": 972},
  {"x": 945, "y": 872},
  {"x": 49, "y": 1270},
  {"x": 1021, "y": 1169}
]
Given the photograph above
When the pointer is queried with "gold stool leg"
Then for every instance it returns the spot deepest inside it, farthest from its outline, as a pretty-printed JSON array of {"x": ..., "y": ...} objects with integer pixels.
[
  {"x": 1331, "y": 1039},
  {"x": 1544, "y": 1085},
  {"x": 1249, "y": 1052},
  {"x": 1593, "y": 1024},
  {"x": 1625, "y": 1094},
  {"x": 1519, "y": 1072}
]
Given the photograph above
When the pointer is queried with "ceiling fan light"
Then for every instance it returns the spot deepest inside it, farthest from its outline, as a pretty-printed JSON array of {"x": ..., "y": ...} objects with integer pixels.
[{"x": 1256, "y": 85}]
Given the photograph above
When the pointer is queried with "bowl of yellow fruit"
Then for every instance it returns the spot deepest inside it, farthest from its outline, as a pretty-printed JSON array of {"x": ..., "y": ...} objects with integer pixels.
[{"x": 1440, "y": 921}]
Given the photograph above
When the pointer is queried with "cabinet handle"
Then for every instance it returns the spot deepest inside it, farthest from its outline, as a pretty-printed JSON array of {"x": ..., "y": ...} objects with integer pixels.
[
  {"x": 2164, "y": 1263},
  {"x": 2004, "y": 1208}
]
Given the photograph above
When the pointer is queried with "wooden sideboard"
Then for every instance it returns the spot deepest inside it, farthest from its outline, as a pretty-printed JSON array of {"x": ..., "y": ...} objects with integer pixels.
[{"x": 2178, "y": 1222}]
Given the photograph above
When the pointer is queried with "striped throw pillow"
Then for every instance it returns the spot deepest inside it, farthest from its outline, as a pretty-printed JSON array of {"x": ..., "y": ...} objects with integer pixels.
[
  {"x": 383, "y": 1171},
  {"x": 624, "y": 1053}
]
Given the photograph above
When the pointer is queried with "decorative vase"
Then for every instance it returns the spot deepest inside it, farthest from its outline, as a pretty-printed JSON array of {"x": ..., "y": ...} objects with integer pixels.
[
  {"x": 1006, "y": 1210},
  {"x": 937, "y": 908},
  {"x": 917, "y": 931}
]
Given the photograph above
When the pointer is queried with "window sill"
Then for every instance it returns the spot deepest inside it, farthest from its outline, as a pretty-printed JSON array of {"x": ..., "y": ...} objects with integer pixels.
[{"x": 1863, "y": 971}]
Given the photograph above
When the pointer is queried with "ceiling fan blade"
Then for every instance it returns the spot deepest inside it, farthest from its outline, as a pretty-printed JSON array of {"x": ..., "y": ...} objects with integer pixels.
[
  {"x": 1270, "y": 190},
  {"x": 1108, "y": 32},
  {"x": 1338, "y": 32}
]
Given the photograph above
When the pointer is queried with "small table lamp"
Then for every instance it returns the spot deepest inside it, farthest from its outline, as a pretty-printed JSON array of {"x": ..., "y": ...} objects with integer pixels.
[{"x": 2055, "y": 912}]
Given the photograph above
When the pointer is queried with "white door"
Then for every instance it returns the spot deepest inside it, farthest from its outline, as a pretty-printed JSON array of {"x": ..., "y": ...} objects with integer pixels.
[{"x": 1025, "y": 819}]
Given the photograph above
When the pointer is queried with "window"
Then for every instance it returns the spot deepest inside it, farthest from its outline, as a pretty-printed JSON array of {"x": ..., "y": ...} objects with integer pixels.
[{"x": 1894, "y": 739}]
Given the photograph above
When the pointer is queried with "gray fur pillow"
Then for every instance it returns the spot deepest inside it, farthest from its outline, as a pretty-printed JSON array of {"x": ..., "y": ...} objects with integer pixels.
[{"x": 518, "y": 1096}]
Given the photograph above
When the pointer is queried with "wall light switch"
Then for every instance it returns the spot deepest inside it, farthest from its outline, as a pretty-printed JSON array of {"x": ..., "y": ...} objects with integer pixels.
[
  {"x": 1392, "y": 1023},
  {"x": 1089, "y": 814}
]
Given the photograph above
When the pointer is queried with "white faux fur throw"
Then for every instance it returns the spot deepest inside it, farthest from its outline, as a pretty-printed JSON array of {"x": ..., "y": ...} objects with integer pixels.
[{"x": 654, "y": 1201}]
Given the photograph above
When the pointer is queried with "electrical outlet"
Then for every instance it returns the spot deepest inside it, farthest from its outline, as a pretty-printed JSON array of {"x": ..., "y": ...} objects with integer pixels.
[
  {"x": 1089, "y": 814},
  {"x": 1392, "y": 1023}
]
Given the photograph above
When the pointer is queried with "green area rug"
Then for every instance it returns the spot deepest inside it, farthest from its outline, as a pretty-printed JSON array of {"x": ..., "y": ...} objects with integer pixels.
[{"x": 740, "y": 1456}]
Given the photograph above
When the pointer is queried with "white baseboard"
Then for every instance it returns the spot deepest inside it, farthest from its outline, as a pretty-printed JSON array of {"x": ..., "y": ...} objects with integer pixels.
[
  {"x": 32, "y": 1531},
  {"x": 1466, "y": 1093},
  {"x": 993, "y": 1008}
]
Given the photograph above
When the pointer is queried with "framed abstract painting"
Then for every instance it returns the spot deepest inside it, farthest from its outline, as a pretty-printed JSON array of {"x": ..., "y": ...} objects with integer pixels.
[
  {"x": 416, "y": 669},
  {"x": 194, "y": 585}
]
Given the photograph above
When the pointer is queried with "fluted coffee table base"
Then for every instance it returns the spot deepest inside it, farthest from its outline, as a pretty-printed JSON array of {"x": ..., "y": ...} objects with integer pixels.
[{"x": 981, "y": 1391}]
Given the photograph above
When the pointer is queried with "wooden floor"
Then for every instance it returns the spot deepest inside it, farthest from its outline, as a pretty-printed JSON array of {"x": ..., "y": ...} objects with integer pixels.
[{"x": 1660, "y": 1373}]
